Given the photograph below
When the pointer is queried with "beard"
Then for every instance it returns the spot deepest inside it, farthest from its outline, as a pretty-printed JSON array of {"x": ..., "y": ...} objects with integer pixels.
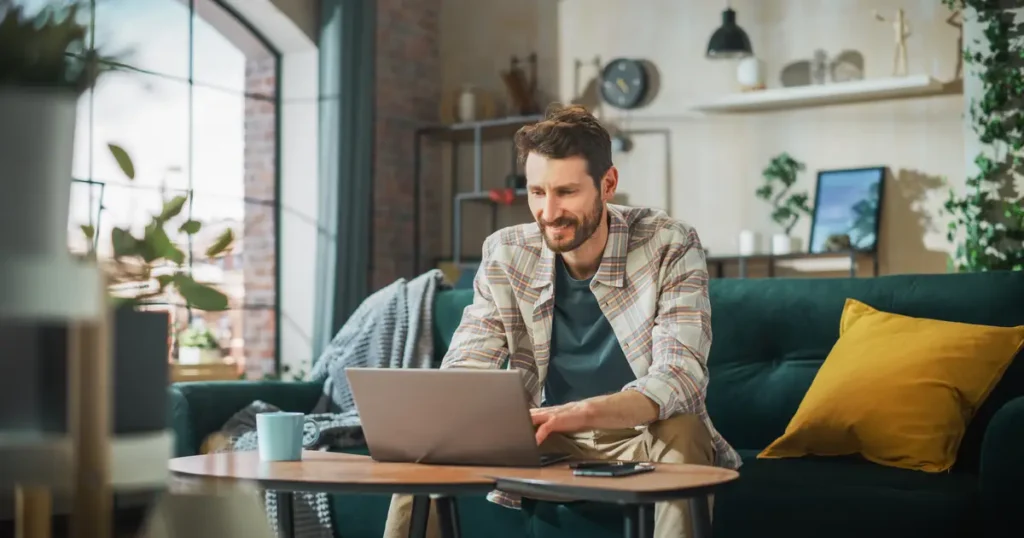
[{"x": 575, "y": 231}]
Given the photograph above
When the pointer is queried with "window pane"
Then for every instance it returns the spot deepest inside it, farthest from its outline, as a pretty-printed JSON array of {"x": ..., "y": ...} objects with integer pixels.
[
  {"x": 151, "y": 35},
  {"x": 147, "y": 115},
  {"x": 234, "y": 145},
  {"x": 84, "y": 210},
  {"x": 231, "y": 56},
  {"x": 224, "y": 121},
  {"x": 218, "y": 143},
  {"x": 247, "y": 274}
]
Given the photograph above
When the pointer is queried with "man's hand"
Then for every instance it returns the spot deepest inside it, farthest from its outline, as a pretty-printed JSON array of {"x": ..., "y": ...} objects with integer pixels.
[
  {"x": 568, "y": 418},
  {"x": 625, "y": 409}
]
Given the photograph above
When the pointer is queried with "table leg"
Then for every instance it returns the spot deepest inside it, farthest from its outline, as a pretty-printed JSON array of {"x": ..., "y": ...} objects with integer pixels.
[
  {"x": 700, "y": 516},
  {"x": 448, "y": 513},
  {"x": 638, "y": 521},
  {"x": 420, "y": 514},
  {"x": 285, "y": 517}
]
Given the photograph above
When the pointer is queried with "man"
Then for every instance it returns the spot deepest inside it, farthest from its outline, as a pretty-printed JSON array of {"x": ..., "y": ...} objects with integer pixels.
[{"x": 603, "y": 308}]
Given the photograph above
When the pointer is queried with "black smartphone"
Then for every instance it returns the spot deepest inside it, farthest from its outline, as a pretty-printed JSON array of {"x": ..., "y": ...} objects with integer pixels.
[{"x": 610, "y": 468}]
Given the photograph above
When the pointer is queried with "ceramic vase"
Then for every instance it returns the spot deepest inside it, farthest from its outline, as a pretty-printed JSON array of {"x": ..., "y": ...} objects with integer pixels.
[
  {"x": 782, "y": 244},
  {"x": 750, "y": 74},
  {"x": 467, "y": 104},
  {"x": 196, "y": 355},
  {"x": 38, "y": 276},
  {"x": 748, "y": 243},
  {"x": 37, "y": 138}
]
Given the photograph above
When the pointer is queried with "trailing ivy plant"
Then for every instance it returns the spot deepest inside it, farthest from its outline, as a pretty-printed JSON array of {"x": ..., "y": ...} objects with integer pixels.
[
  {"x": 779, "y": 177},
  {"x": 987, "y": 225}
]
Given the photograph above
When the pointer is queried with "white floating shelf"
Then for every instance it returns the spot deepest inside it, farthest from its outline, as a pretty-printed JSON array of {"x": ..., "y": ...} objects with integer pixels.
[
  {"x": 817, "y": 265},
  {"x": 825, "y": 94}
]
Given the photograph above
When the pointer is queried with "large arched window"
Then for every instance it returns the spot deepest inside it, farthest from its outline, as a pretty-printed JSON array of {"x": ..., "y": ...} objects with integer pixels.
[{"x": 194, "y": 101}]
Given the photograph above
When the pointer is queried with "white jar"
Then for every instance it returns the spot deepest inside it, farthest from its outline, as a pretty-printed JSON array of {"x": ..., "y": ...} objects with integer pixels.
[
  {"x": 467, "y": 104},
  {"x": 748, "y": 243},
  {"x": 750, "y": 73},
  {"x": 782, "y": 244}
]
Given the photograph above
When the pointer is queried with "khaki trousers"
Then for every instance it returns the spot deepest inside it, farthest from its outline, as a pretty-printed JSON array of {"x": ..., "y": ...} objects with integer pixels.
[{"x": 680, "y": 439}]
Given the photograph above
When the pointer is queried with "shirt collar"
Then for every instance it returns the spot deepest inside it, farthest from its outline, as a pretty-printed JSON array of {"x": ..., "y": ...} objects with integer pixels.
[{"x": 611, "y": 272}]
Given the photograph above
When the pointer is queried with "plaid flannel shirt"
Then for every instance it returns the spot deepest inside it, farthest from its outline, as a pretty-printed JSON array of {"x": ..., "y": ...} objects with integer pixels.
[{"x": 652, "y": 288}]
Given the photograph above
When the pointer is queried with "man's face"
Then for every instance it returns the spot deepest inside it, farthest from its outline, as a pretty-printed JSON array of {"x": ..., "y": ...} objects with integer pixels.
[{"x": 564, "y": 200}]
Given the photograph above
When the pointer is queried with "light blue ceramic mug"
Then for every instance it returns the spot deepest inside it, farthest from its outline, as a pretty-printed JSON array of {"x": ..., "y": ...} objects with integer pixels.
[{"x": 280, "y": 435}]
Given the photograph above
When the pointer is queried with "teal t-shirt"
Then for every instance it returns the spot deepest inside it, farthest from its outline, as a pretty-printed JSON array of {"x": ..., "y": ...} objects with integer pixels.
[{"x": 586, "y": 358}]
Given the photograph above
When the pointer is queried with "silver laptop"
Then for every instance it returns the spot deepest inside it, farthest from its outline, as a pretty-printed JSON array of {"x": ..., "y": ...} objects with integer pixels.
[{"x": 454, "y": 417}]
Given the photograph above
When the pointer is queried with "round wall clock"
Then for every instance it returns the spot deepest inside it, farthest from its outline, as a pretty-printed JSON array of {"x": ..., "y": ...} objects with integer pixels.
[{"x": 624, "y": 83}]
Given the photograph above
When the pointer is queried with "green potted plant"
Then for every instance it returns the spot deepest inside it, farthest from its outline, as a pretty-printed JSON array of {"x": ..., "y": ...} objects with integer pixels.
[
  {"x": 46, "y": 64},
  {"x": 151, "y": 261},
  {"x": 147, "y": 271},
  {"x": 198, "y": 345},
  {"x": 779, "y": 177}
]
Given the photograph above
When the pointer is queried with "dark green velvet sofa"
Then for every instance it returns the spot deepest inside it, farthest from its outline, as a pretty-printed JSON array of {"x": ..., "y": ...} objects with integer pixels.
[{"x": 770, "y": 337}]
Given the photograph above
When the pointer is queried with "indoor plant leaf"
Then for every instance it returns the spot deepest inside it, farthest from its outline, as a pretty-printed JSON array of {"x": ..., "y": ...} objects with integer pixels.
[
  {"x": 123, "y": 160},
  {"x": 199, "y": 295},
  {"x": 123, "y": 242},
  {"x": 159, "y": 245},
  {"x": 172, "y": 208},
  {"x": 222, "y": 243},
  {"x": 191, "y": 227}
]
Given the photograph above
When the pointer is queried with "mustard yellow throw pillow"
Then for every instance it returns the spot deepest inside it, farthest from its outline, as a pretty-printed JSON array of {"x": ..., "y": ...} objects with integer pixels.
[{"x": 900, "y": 391}]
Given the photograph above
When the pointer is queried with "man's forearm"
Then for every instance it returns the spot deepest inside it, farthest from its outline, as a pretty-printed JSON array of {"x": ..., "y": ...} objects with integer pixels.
[{"x": 625, "y": 409}]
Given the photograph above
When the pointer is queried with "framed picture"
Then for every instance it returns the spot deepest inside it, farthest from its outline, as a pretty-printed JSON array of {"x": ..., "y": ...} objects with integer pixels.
[{"x": 847, "y": 210}]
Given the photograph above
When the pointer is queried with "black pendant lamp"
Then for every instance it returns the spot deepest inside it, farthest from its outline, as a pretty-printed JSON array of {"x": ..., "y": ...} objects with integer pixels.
[{"x": 729, "y": 40}]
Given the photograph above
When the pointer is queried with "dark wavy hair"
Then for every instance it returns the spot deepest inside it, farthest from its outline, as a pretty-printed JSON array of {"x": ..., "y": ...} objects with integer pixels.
[{"x": 568, "y": 131}]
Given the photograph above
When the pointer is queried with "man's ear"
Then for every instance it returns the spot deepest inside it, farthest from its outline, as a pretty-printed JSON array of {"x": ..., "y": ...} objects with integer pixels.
[{"x": 609, "y": 184}]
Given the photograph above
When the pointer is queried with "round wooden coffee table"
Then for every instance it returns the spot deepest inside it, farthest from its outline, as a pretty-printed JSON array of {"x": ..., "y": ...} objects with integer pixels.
[
  {"x": 636, "y": 493},
  {"x": 332, "y": 472}
]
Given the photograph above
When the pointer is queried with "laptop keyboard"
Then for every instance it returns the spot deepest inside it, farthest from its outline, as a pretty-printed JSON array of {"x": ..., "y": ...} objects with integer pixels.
[{"x": 548, "y": 459}]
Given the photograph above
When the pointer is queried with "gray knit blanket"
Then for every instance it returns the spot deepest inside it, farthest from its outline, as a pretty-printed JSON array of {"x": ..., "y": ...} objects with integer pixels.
[{"x": 390, "y": 329}]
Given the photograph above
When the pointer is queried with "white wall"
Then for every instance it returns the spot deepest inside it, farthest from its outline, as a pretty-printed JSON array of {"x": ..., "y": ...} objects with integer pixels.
[{"x": 712, "y": 165}]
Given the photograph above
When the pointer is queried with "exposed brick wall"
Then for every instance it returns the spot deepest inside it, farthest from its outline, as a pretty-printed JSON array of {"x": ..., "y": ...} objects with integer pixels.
[
  {"x": 258, "y": 238},
  {"x": 408, "y": 93}
]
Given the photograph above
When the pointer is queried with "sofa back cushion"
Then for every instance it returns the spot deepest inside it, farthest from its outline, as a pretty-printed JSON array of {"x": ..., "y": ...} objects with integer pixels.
[
  {"x": 448, "y": 307},
  {"x": 770, "y": 336}
]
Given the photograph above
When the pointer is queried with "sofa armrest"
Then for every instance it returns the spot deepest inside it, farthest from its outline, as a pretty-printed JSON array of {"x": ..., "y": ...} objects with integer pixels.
[
  {"x": 1001, "y": 475},
  {"x": 199, "y": 408}
]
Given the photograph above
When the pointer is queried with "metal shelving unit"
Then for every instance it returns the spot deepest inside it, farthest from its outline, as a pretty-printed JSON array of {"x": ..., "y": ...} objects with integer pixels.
[{"x": 475, "y": 133}]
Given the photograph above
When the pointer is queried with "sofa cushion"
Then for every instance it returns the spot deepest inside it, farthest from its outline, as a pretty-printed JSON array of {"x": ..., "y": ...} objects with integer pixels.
[
  {"x": 771, "y": 336},
  {"x": 898, "y": 390},
  {"x": 448, "y": 307},
  {"x": 844, "y": 497}
]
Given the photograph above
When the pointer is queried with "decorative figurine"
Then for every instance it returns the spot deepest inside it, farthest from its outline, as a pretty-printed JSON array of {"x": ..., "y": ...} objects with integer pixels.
[{"x": 901, "y": 29}]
